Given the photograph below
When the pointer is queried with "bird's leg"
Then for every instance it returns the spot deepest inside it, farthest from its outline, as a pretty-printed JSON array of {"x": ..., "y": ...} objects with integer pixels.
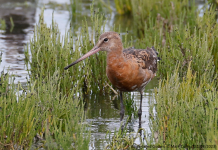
[
  {"x": 121, "y": 106},
  {"x": 140, "y": 108}
]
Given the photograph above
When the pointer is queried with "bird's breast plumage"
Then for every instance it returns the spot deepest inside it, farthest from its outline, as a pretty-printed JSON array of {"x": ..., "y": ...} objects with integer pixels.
[{"x": 133, "y": 70}]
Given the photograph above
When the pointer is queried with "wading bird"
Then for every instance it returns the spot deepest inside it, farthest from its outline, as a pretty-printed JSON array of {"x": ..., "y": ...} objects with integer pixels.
[{"x": 127, "y": 69}]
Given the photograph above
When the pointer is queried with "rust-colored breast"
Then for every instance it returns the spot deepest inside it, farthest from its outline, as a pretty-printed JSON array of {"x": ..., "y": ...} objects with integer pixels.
[{"x": 132, "y": 71}]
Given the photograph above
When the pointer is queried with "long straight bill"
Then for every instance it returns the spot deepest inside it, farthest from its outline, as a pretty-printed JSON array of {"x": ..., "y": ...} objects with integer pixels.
[{"x": 91, "y": 52}]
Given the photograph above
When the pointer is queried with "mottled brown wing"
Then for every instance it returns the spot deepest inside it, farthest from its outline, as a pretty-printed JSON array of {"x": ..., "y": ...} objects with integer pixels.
[{"x": 146, "y": 58}]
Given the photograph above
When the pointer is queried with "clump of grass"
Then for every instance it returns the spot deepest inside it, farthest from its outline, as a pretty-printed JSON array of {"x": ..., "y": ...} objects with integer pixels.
[
  {"x": 123, "y": 6},
  {"x": 186, "y": 110},
  {"x": 185, "y": 101},
  {"x": 178, "y": 33},
  {"x": 47, "y": 53},
  {"x": 2, "y": 24},
  {"x": 75, "y": 7},
  {"x": 4, "y": 87},
  {"x": 50, "y": 110},
  {"x": 184, "y": 44},
  {"x": 40, "y": 113},
  {"x": 186, "y": 98},
  {"x": 130, "y": 106},
  {"x": 198, "y": 46},
  {"x": 169, "y": 12},
  {"x": 213, "y": 2},
  {"x": 124, "y": 140},
  {"x": 51, "y": 52}
]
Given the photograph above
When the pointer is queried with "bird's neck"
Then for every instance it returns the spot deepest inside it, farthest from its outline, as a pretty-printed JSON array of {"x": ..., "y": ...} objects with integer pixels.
[
  {"x": 116, "y": 49},
  {"x": 115, "y": 56}
]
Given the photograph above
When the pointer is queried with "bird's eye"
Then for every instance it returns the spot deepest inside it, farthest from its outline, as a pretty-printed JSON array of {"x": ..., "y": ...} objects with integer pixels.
[{"x": 106, "y": 40}]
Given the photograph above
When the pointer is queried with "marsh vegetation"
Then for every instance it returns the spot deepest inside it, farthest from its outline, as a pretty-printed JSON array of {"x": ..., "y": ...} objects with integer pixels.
[{"x": 49, "y": 111}]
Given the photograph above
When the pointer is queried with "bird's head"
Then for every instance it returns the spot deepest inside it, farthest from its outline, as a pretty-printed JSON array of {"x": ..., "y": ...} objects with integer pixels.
[{"x": 108, "y": 41}]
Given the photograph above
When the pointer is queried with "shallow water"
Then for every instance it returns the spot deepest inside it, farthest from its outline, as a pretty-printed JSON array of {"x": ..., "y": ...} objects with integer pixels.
[{"x": 102, "y": 112}]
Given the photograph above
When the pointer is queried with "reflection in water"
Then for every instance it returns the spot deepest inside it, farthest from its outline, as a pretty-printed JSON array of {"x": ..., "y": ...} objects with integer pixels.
[{"x": 12, "y": 41}]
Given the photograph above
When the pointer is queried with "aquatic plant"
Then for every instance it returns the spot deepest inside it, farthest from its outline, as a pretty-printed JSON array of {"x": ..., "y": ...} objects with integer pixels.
[
  {"x": 2, "y": 24},
  {"x": 213, "y": 2},
  {"x": 185, "y": 99},
  {"x": 170, "y": 12},
  {"x": 50, "y": 52},
  {"x": 186, "y": 110},
  {"x": 197, "y": 47},
  {"x": 50, "y": 110},
  {"x": 75, "y": 7},
  {"x": 184, "y": 44},
  {"x": 46, "y": 50},
  {"x": 173, "y": 28},
  {"x": 124, "y": 140},
  {"x": 123, "y": 6},
  {"x": 130, "y": 106},
  {"x": 40, "y": 114}
]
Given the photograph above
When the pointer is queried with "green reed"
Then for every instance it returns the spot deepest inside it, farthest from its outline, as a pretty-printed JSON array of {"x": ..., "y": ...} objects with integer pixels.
[
  {"x": 130, "y": 106},
  {"x": 124, "y": 140},
  {"x": 186, "y": 97},
  {"x": 51, "y": 52},
  {"x": 2, "y": 24},
  {"x": 171, "y": 24},
  {"x": 40, "y": 113},
  {"x": 184, "y": 44},
  {"x": 75, "y": 7},
  {"x": 170, "y": 12},
  {"x": 50, "y": 110},
  {"x": 123, "y": 6},
  {"x": 186, "y": 111},
  {"x": 186, "y": 107},
  {"x": 186, "y": 115}
]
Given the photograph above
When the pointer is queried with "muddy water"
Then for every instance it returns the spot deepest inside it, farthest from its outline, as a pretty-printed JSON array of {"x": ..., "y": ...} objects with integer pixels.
[{"x": 102, "y": 112}]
